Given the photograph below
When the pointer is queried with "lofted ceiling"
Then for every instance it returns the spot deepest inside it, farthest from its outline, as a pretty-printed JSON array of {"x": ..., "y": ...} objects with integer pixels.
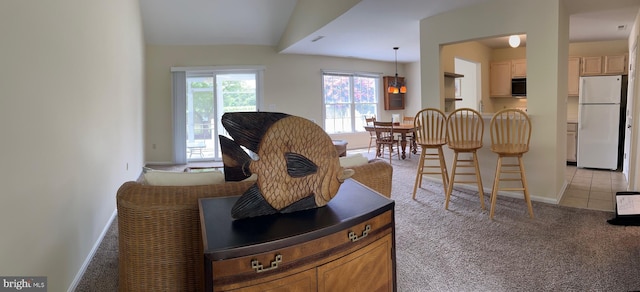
[{"x": 369, "y": 30}]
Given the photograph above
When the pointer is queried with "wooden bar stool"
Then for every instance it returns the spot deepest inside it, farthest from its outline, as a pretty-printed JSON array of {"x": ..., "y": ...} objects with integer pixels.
[
  {"x": 465, "y": 129},
  {"x": 510, "y": 135},
  {"x": 430, "y": 134}
]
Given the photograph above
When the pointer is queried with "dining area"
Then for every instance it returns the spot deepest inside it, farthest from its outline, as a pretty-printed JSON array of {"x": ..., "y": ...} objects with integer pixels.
[{"x": 452, "y": 148}]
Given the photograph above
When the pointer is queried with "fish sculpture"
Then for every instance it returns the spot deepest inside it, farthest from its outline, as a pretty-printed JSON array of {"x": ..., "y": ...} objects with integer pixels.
[{"x": 297, "y": 166}]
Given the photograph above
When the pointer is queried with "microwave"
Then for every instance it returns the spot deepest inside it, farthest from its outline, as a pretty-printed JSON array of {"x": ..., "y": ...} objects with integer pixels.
[{"x": 519, "y": 87}]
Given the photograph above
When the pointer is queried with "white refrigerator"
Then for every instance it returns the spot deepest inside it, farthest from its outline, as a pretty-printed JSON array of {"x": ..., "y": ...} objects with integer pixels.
[{"x": 599, "y": 121}]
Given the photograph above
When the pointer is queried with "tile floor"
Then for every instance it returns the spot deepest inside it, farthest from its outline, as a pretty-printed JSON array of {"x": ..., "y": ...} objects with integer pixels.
[{"x": 592, "y": 189}]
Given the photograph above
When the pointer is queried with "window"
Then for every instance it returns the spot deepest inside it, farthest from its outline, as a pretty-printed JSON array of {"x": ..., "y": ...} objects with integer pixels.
[
  {"x": 347, "y": 99},
  {"x": 201, "y": 97}
]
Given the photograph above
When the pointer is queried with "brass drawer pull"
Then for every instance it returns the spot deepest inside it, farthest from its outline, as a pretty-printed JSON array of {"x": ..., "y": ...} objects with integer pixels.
[
  {"x": 256, "y": 265},
  {"x": 353, "y": 237}
]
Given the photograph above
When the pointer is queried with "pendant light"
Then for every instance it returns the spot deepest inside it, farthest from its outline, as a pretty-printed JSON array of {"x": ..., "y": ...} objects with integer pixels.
[
  {"x": 514, "y": 41},
  {"x": 396, "y": 86}
]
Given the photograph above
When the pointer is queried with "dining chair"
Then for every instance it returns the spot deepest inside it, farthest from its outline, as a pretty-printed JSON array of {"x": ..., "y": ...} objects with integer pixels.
[
  {"x": 385, "y": 137},
  {"x": 368, "y": 121},
  {"x": 410, "y": 136},
  {"x": 510, "y": 135},
  {"x": 431, "y": 134},
  {"x": 465, "y": 129}
]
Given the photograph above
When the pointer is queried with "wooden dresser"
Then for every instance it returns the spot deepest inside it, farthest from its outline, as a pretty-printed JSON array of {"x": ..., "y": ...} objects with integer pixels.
[{"x": 348, "y": 245}]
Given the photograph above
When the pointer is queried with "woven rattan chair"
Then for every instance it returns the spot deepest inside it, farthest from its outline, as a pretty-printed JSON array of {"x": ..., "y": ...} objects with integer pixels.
[
  {"x": 510, "y": 135},
  {"x": 372, "y": 134},
  {"x": 386, "y": 137},
  {"x": 465, "y": 129},
  {"x": 430, "y": 134}
]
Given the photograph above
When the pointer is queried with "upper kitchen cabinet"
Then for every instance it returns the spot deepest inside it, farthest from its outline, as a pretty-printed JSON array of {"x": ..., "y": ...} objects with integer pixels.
[
  {"x": 574, "y": 76},
  {"x": 604, "y": 65},
  {"x": 591, "y": 66},
  {"x": 615, "y": 65},
  {"x": 500, "y": 79},
  {"x": 392, "y": 101},
  {"x": 519, "y": 68}
]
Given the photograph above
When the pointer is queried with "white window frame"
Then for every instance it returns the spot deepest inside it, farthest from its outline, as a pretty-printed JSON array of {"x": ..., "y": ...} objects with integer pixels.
[{"x": 351, "y": 75}]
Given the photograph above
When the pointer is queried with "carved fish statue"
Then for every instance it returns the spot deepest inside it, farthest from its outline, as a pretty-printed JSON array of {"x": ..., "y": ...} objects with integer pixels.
[{"x": 297, "y": 166}]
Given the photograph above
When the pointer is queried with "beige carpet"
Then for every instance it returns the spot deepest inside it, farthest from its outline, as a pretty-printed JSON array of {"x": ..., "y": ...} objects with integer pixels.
[{"x": 562, "y": 249}]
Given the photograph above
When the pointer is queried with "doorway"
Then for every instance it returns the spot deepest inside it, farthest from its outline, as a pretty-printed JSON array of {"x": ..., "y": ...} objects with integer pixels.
[{"x": 470, "y": 84}]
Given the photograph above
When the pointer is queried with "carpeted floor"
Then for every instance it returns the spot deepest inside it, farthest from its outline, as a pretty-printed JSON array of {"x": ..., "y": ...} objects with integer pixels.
[{"x": 460, "y": 249}]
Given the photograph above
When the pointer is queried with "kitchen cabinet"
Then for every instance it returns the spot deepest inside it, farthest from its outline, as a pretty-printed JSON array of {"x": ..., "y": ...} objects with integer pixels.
[
  {"x": 392, "y": 101},
  {"x": 500, "y": 79},
  {"x": 591, "y": 66},
  {"x": 519, "y": 68},
  {"x": 614, "y": 65},
  {"x": 574, "y": 76},
  {"x": 334, "y": 248},
  {"x": 572, "y": 142},
  {"x": 604, "y": 65}
]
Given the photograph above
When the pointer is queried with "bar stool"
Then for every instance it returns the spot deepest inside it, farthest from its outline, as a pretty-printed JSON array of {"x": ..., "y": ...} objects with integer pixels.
[
  {"x": 430, "y": 134},
  {"x": 510, "y": 135},
  {"x": 465, "y": 129}
]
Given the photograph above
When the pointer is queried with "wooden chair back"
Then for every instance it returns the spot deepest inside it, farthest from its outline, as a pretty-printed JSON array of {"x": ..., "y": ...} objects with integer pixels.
[
  {"x": 510, "y": 131},
  {"x": 430, "y": 124},
  {"x": 465, "y": 129},
  {"x": 384, "y": 132},
  {"x": 369, "y": 120}
]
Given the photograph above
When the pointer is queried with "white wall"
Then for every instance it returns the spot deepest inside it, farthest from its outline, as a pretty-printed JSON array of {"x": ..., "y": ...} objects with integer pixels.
[
  {"x": 71, "y": 119},
  {"x": 293, "y": 83},
  {"x": 546, "y": 24},
  {"x": 634, "y": 105}
]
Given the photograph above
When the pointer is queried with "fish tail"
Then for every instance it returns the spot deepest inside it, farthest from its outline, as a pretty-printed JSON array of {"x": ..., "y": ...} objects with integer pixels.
[{"x": 236, "y": 161}]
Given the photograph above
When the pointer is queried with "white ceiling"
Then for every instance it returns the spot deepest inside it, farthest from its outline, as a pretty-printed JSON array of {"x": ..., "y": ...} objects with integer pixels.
[{"x": 369, "y": 30}]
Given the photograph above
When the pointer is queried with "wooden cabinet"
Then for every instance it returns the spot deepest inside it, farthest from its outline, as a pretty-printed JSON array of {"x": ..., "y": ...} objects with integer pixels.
[
  {"x": 604, "y": 65},
  {"x": 500, "y": 79},
  {"x": 392, "y": 101},
  {"x": 519, "y": 68},
  {"x": 334, "y": 248},
  {"x": 614, "y": 65},
  {"x": 574, "y": 76},
  {"x": 572, "y": 142},
  {"x": 591, "y": 66}
]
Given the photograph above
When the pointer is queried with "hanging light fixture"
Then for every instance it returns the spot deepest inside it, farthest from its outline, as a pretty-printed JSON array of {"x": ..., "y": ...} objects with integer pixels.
[
  {"x": 396, "y": 86},
  {"x": 514, "y": 41}
]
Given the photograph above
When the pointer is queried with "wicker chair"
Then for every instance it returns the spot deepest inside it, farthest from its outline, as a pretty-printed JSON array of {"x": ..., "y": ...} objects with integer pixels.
[
  {"x": 510, "y": 135},
  {"x": 465, "y": 129}
]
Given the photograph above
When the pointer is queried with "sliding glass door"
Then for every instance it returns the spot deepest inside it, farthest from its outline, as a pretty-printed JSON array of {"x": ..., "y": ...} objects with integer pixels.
[{"x": 209, "y": 95}]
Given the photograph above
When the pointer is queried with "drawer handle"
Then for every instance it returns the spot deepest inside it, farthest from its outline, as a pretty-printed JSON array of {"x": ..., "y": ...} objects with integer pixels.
[
  {"x": 353, "y": 237},
  {"x": 256, "y": 265}
]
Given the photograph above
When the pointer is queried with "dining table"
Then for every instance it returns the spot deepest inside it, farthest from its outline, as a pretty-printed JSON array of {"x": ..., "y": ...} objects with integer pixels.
[{"x": 401, "y": 128}]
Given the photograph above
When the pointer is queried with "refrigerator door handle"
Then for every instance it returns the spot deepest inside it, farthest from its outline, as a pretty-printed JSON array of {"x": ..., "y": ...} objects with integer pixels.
[{"x": 580, "y": 118}]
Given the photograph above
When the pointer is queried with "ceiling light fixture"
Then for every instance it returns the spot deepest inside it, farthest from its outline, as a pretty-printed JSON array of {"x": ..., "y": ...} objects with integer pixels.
[
  {"x": 396, "y": 86},
  {"x": 514, "y": 41}
]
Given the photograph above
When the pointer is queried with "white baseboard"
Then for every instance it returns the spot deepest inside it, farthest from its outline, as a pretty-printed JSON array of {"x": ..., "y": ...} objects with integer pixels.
[
  {"x": 92, "y": 253},
  {"x": 501, "y": 193}
]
